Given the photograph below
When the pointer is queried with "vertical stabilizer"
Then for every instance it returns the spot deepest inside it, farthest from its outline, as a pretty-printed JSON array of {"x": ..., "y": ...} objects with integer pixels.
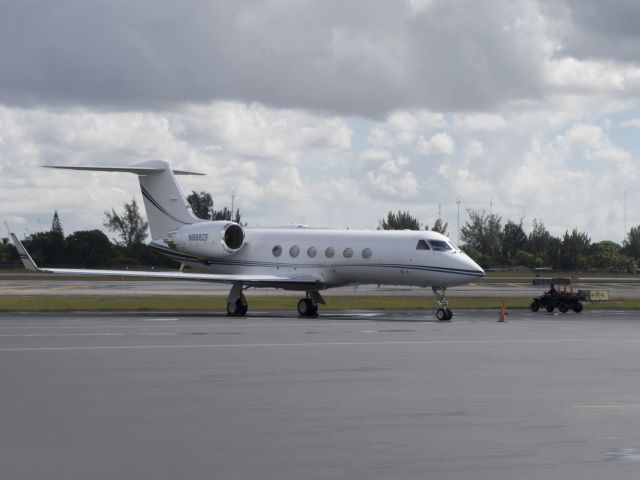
[{"x": 167, "y": 209}]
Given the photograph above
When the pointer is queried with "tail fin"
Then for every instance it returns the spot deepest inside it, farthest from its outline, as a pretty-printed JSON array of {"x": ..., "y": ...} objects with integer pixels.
[{"x": 166, "y": 206}]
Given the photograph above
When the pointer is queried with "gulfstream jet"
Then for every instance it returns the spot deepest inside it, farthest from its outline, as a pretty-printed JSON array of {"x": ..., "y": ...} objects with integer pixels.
[{"x": 303, "y": 259}]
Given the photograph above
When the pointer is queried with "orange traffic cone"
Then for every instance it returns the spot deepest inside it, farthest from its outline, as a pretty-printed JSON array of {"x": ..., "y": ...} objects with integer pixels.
[{"x": 502, "y": 313}]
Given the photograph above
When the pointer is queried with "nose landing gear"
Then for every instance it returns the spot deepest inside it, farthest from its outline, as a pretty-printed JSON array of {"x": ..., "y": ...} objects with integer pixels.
[{"x": 443, "y": 313}]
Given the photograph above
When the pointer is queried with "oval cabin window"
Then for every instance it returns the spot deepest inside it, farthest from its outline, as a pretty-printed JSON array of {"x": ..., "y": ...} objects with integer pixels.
[
  {"x": 277, "y": 251},
  {"x": 294, "y": 251},
  {"x": 330, "y": 252},
  {"x": 348, "y": 252},
  {"x": 366, "y": 253},
  {"x": 312, "y": 252}
]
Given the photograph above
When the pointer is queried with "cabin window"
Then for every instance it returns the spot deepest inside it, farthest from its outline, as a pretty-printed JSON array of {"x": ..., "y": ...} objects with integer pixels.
[
  {"x": 440, "y": 245},
  {"x": 366, "y": 253},
  {"x": 277, "y": 251},
  {"x": 329, "y": 252},
  {"x": 294, "y": 251},
  {"x": 422, "y": 245},
  {"x": 311, "y": 251},
  {"x": 347, "y": 252}
]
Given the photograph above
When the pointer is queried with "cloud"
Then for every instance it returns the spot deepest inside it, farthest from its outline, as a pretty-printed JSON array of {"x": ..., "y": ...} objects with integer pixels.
[
  {"x": 438, "y": 144},
  {"x": 367, "y": 57},
  {"x": 480, "y": 121},
  {"x": 592, "y": 29},
  {"x": 392, "y": 179}
]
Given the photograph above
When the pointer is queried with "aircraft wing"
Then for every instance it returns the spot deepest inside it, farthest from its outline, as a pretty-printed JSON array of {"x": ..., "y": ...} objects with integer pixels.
[{"x": 293, "y": 282}]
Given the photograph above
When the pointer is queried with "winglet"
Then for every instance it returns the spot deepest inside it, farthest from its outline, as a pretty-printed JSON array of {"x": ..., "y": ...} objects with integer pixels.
[{"x": 28, "y": 262}]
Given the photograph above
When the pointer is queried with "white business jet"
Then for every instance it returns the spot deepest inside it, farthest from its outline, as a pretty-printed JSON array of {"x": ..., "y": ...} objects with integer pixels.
[{"x": 292, "y": 258}]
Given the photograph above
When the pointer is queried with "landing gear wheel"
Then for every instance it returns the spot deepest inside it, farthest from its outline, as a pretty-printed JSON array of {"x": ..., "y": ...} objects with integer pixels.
[
  {"x": 444, "y": 314},
  {"x": 239, "y": 308},
  {"x": 306, "y": 308}
]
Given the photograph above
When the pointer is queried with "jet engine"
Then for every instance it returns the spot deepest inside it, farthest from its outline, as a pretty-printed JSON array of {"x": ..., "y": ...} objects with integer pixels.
[{"x": 210, "y": 239}]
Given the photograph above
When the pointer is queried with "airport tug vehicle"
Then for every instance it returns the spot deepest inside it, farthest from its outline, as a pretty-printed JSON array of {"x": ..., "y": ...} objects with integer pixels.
[{"x": 564, "y": 300}]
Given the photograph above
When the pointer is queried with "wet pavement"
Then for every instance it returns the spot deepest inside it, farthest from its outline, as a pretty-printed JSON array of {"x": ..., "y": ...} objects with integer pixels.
[{"x": 373, "y": 395}]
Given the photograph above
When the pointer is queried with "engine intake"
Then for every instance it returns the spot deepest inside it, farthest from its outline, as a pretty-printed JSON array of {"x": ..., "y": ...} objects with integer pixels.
[{"x": 232, "y": 237}]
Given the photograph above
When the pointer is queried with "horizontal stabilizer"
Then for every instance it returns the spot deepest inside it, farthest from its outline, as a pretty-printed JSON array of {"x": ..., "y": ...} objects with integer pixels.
[{"x": 138, "y": 170}]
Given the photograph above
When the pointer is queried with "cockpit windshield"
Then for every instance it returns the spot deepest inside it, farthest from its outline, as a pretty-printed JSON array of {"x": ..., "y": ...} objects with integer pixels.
[
  {"x": 440, "y": 245},
  {"x": 422, "y": 245}
]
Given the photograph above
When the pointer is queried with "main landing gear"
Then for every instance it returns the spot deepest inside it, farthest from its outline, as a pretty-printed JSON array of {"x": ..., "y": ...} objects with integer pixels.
[
  {"x": 236, "y": 303},
  {"x": 443, "y": 313},
  {"x": 308, "y": 306}
]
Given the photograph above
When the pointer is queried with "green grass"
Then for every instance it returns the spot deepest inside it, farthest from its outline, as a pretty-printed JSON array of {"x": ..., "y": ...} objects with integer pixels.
[{"x": 44, "y": 303}]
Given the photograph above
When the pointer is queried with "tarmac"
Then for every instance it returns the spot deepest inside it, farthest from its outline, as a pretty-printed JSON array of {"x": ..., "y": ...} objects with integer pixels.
[{"x": 348, "y": 395}]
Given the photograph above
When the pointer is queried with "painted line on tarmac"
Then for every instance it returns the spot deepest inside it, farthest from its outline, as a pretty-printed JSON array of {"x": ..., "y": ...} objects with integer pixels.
[
  {"x": 314, "y": 344},
  {"x": 606, "y": 408}
]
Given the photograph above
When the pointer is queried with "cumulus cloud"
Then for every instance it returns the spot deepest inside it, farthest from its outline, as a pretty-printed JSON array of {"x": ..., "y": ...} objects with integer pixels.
[
  {"x": 393, "y": 179},
  {"x": 438, "y": 144}
]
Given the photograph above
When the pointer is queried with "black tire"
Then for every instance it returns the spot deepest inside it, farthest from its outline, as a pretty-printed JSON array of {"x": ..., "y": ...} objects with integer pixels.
[
  {"x": 305, "y": 307},
  {"x": 449, "y": 313},
  {"x": 563, "y": 307},
  {"x": 550, "y": 309},
  {"x": 441, "y": 314},
  {"x": 577, "y": 307},
  {"x": 239, "y": 308},
  {"x": 535, "y": 306}
]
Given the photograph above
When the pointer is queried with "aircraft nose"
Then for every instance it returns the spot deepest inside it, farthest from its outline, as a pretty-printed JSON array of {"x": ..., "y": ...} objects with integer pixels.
[{"x": 472, "y": 266}]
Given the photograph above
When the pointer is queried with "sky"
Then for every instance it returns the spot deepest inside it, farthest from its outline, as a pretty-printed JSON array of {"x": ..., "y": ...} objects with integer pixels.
[{"x": 326, "y": 113}]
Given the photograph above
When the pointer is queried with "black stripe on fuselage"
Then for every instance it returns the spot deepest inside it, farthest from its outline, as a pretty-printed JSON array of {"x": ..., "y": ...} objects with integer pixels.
[{"x": 227, "y": 262}]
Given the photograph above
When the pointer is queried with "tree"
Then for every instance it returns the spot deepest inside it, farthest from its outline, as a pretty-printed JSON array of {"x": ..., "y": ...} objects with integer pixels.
[
  {"x": 46, "y": 248},
  {"x": 631, "y": 244},
  {"x": 201, "y": 204},
  {"x": 90, "y": 248},
  {"x": 574, "y": 250},
  {"x": 482, "y": 232},
  {"x": 609, "y": 256},
  {"x": 130, "y": 226},
  {"x": 8, "y": 253},
  {"x": 538, "y": 239},
  {"x": 56, "y": 226},
  {"x": 225, "y": 214},
  {"x": 441, "y": 227},
  {"x": 400, "y": 221},
  {"x": 513, "y": 240}
]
